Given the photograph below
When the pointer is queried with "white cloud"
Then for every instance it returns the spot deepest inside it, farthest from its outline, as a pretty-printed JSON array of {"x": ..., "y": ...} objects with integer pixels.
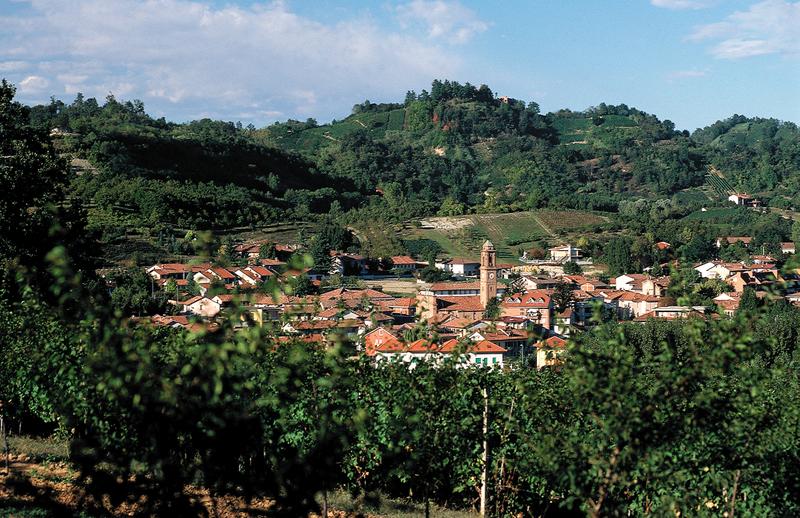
[
  {"x": 769, "y": 27},
  {"x": 686, "y": 74},
  {"x": 683, "y": 4},
  {"x": 190, "y": 57},
  {"x": 33, "y": 84},
  {"x": 446, "y": 20}
]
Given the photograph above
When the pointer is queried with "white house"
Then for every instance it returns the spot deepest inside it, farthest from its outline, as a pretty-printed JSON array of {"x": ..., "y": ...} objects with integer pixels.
[
  {"x": 201, "y": 306},
  {"x": 565, "y": 253},
  {"x": 483, "y": 354},
  {"x": 460, "y": 267}
]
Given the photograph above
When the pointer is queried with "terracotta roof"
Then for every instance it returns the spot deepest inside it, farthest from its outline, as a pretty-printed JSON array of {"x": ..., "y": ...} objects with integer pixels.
[
  {"x": 347, "y": 293},
  {"x": 464, "y": 303},
  {"x": 554, "y": 342},
  {"x": 460, "y": 323},
  {"x": 403, "y": 259},
  {"x": 192, "y": 300},
  {"x": 452, "y": 286},
  {"x": 531, "y": 298}
]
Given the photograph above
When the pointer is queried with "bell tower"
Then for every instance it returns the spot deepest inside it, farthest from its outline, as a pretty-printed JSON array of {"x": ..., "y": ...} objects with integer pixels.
[{"x": 488, "y": 273}]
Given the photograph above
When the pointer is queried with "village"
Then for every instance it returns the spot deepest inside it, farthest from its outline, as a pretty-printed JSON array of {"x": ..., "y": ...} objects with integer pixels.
[{"x": 496, "y": 315}]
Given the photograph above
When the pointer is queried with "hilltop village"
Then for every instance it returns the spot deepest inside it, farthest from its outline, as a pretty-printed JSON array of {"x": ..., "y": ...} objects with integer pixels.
[{"x": 497, "y": 314}]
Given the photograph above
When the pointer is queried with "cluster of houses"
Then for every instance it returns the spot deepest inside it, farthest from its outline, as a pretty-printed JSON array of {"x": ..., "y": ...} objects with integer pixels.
[{"x": 494, "y": 316}]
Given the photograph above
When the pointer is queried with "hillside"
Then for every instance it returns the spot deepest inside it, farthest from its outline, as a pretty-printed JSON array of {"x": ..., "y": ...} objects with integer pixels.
[{"x": 455, "y": 151}]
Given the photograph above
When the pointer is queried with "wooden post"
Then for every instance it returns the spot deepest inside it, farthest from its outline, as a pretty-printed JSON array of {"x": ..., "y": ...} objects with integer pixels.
[{"x": 485, "y": 454}]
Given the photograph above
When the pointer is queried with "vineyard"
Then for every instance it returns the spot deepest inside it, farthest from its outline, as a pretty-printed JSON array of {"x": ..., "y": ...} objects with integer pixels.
[
  {"x": 462, "y": 236},
  {"x": 720, "y": 185}
]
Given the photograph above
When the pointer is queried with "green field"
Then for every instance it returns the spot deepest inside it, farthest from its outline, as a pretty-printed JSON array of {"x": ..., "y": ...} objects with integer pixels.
[
  {"x": 578, "y": 132},
  {"x": 310, "y": 140},
  {"x": 462, "y": 236}
]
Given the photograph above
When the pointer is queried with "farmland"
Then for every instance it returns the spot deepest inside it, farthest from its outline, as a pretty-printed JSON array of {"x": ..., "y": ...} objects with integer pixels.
[{"x": 462, "y": 236}]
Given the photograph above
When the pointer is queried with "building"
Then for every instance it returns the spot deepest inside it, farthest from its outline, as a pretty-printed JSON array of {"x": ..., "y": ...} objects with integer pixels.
[
  {"x": 744, "y": 240},
  {"x": 565, "y": 253},
  {"x": 788, "y": 248},
  {"x": 459, "y": 267},
  {"x": 404, "y": 263},
  {"x": 548, "y": 352},
  {"x": 744, "y": 200}
]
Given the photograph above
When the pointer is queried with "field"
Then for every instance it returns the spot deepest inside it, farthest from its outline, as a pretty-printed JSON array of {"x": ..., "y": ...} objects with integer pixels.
[
  {"x": 579, "y": 132},
  {"x": 462, "y": 236},
  {"x": 310, "y": 140}
]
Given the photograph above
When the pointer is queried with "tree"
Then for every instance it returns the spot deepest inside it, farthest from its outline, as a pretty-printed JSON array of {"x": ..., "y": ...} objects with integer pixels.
[
  {"x": 617, "y": 255},
  {"x": 267, "y": 251},
  {"x": 492, "y": 310},
  {"x": 572, "y": 268},
  {"x": 749, "y": 302},
  {"x": 562, "y": 296}
]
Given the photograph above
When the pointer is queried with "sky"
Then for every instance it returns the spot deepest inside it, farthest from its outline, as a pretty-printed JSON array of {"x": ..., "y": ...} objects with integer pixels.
[{"x": 690, "y": 61}]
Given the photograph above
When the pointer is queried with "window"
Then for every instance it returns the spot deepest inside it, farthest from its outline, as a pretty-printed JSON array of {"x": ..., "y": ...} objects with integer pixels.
[{"x": 478, "y": 361}]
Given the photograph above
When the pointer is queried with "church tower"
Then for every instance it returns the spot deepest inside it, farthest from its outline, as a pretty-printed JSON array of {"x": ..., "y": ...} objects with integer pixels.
[{"x": 488, "y": 273}]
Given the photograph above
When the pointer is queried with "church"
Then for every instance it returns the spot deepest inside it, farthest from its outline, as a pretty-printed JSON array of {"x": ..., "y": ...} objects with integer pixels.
[{"x": 438, "y": 309}]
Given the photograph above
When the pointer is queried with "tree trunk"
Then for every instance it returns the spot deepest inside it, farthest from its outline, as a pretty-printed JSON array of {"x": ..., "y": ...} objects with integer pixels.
[
  {"x": 324, "y": 503},
  {"x": 4, "y": 433},
  {"x": 485, "y": 454},
  {"x": 427, "y": 508}
]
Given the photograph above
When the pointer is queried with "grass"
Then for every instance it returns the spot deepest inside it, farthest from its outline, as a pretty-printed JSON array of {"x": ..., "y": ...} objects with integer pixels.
[
  {"x": 376, "y": 504},
  {"x": 48, "y": 449}
]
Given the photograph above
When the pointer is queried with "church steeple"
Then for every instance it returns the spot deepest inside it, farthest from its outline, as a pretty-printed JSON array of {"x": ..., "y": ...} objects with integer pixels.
[{"x": 488, "y": 273}]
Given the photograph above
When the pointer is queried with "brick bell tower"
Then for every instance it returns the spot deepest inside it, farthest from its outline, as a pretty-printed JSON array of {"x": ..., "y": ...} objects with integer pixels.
[{"x": 488, "y": 273}]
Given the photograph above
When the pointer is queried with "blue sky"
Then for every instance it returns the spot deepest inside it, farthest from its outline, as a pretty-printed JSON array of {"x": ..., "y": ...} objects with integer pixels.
[{"x": 690, "y": 61}]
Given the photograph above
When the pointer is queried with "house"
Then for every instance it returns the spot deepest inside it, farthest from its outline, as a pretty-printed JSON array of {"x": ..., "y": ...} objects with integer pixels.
[
  {"x": 404, "y": 263},
  {"x": 788, "y": 248},
  {"x": 728, "y": 302},
  {"x": 565, "y": 253},
  {"x": 254, "y": 275},
  {"x": 533, "y": 304},
  {"x": 663, "y": 245},
  {"x": 381, "y": 337},
  {"x": 483, "y": 354},
  {"x": 347, "y": 264},
  {"x": 530, "y": 282},
  {"x": 673, "y": 313},
  {"x": 632, "y": 305},
  {"x": 514, "y": 341},
  {"x": 460, "y": 267},
  {"x": 585, "y": 283},
  {"x": 213, "y": 274},
  {"x": 630, "y": 282},
  {"x": 744, "y": 200},
  {"x": 744, "y": 240},
  {"x": 201, "y": 306},
  {"x": 550, "y": 351}
]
